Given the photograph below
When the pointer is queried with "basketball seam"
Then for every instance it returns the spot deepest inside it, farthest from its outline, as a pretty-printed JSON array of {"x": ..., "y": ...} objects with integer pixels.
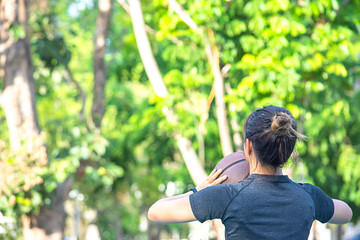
[{"x": 232, "y": 164}]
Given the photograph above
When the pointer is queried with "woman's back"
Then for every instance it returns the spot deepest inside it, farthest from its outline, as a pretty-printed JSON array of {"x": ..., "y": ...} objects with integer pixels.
[
  {"x": 264, "y": 207},
  {"x": 267, "y": 204}
]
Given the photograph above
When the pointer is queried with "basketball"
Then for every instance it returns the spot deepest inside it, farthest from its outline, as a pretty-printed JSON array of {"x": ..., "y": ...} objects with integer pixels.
[{"x": 234, "y": 166}]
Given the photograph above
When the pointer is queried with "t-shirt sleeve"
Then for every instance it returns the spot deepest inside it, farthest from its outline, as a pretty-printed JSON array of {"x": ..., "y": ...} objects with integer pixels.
[
  {"x": 211, "y": 202},
  {"x": 324, "y": 205}
]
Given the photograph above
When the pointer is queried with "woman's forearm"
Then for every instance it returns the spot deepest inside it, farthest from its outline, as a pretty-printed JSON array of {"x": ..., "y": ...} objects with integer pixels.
[{"x": 178, "y": 208}]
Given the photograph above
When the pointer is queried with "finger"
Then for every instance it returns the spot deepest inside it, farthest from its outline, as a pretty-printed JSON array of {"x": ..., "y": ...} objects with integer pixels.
[
  {"x": 212, "y": 172},
  {"x": 210, "y": 175},
  {"x": 215, "y": 175},
  {"x": 219, "y": 180}
]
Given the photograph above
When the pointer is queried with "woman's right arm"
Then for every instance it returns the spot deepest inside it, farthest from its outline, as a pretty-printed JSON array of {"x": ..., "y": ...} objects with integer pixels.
[
  {"x": 177, "y": 209},
  {"x": 342, "y": 213}
]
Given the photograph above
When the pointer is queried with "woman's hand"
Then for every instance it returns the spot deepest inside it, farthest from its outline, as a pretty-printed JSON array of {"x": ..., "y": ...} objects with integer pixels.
[
  {"x": 177, "y": 208},
  {"x": 212, "y": 179}
]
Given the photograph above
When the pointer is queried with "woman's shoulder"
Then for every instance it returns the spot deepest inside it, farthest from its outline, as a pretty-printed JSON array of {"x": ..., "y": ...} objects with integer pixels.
[
  {"x": 228, "y": 189},
  {"x": 324, "y": 205},
  {"x": 314, "y": 191},
  {"x": 308, "y": 187}
]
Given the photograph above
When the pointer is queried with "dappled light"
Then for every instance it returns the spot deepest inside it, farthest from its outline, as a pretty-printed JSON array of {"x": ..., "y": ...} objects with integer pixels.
[{"x": 108, "y": 106}]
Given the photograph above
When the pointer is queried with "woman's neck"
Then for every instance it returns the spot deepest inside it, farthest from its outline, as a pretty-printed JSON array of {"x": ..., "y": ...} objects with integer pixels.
[
  {"x": 256, "y": 167},
  {"x": 267, "y": 170}
]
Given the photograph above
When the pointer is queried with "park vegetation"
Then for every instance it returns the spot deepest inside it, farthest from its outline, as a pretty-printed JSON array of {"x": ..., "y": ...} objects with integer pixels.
[{"x": 122, "y": 101}]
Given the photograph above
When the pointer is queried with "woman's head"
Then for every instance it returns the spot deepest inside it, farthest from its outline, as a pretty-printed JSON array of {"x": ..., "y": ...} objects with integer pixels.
[{"x": 273, "y": 134}]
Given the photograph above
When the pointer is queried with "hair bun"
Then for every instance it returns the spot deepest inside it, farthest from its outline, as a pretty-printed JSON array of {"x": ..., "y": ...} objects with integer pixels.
[{"x": 281, "y": 124}]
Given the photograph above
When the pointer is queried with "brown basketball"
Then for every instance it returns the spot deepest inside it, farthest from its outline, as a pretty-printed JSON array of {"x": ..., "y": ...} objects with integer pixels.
[{"x": 234, "y": 166}]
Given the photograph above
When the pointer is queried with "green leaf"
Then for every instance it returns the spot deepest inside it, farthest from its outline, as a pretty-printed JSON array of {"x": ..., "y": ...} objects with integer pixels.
[{"x": 17, "y": 31}]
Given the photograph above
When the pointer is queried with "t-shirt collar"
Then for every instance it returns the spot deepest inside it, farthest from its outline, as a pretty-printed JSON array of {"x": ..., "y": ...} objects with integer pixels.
[{"x": 268, "y": 177}]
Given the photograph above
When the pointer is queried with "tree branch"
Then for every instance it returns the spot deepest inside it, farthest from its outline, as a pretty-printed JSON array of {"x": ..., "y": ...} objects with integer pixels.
[
  {"x": 145, "y": 50},
  {"x": 224, "y": 131},
  {"x": 188, "y": 153},
  {"x": 238, "y": 141},
  {"x": 213, "y": 58},
  {"x": 79, "y": 89},
  {"x": 174, "y": 5},
  {"x": 225, "y": 70},
  {"x": 127, "y": 9},
  {"x": 205, "y": 115},
  {"x": 124, "y": 5},
  {"x": 147, "y": 27},
  {"x": 211, "y": 97},
  {"x": 1, "y": 100}
]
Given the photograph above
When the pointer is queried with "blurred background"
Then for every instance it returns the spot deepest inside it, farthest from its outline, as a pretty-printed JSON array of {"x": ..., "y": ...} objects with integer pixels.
[{"x": 107, "y": 106}]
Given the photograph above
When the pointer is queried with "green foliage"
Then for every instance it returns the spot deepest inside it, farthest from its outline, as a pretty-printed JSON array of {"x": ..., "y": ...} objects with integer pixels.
[
  {"x": 17, "y": 31},
  {"x": 302, "y": 55},
  {"x": 53, "y": 52}
]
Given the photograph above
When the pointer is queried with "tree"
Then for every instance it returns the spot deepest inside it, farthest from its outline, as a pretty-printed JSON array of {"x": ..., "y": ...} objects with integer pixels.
[
  {"x": 18, "y": 101},
  {"x": 213, "y": 56},
  {"x": 189, "y": 155},
  {"x": 100, "y": 73},
  {"x": 275, "y": 49},
  {"x": 302, "y": 55},
  {"x": 41, "y": 193}
]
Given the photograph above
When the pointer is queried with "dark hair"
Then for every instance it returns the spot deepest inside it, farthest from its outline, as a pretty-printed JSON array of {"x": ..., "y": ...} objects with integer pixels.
[{"x": 273, "y": 133}]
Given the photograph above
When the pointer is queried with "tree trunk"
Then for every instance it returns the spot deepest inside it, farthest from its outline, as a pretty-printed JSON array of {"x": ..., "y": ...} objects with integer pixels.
[
  {"x": 213, "y": 58},
  {"x": 224, "y": 131},
  {"x": 188, "y": 153},
  {"x": 50, "y": 223},
  {"x": 221, "y": 116},
  {"x": 80, "y": 90},
  {"x": 100, "y": 75},
  {"x": 237, "y": 139},
  {"x": 18, "y": 98},
  {"x": 18, "y": 102},
  {"x": 153, "y": 232},
  {"x": 339, "y": 232},
  {"x": 192, "y": 162},
  {"x": 145, "y": 51}
]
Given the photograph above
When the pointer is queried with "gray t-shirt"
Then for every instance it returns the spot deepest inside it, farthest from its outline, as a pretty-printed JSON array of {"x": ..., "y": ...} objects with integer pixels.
[{"x": 263, "y": 207}]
